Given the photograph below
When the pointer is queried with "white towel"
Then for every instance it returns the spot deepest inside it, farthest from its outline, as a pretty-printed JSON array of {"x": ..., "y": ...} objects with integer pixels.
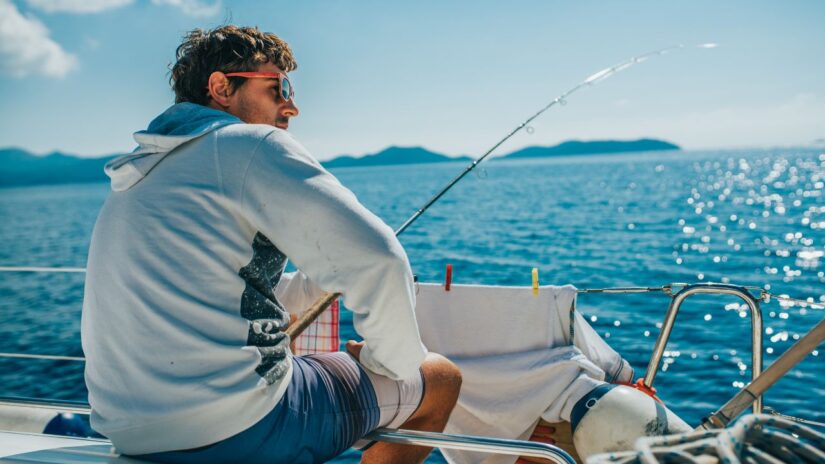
[{"x": 516, "y": 357}]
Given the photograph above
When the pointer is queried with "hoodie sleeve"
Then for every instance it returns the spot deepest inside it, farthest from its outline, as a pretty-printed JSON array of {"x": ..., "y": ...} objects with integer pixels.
[{"x": 338, "y": 244}]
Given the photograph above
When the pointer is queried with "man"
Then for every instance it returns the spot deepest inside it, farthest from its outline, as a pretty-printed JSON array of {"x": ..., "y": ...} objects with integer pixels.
[{"x": 186, "y": 300}]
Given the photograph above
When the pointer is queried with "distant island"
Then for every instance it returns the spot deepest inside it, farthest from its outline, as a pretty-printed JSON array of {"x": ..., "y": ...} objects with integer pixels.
[
  {"x": 576, "y": 147},
  {"x": 417, "y": 155},
  {"x": 19, "y": 167},
  {"x": 393, "y": 155}
]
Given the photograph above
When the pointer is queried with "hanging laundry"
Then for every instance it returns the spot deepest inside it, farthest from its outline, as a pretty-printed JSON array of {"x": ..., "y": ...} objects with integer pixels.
[{"x": 522, "y": 357}]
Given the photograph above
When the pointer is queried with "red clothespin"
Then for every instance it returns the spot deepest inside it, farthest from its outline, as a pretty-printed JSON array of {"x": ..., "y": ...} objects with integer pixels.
[{"x": 448, "y": 279}]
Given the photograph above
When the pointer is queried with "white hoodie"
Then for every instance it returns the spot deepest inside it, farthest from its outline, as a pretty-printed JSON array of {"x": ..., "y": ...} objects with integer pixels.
[{"x": 185, "y": 294}]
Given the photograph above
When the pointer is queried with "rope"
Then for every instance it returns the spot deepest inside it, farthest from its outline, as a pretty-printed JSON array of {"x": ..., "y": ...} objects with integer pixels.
[
  {"x": 752, "y": 439},
  {"x": 765, "y": 295},
  {"x": 800, "y": 420},
  {"x": 663, "y": 289}
]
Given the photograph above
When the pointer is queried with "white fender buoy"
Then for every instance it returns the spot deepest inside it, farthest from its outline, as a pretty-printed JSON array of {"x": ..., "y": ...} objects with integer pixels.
[{"x": 611, "y": 418}]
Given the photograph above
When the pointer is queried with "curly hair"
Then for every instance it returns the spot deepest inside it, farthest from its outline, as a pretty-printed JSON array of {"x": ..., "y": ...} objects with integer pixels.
[{"x": 226, "y": 49}]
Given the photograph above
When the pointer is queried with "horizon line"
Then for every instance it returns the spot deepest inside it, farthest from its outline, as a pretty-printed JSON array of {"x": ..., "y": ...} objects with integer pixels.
[{"x": 815, "y": 144}]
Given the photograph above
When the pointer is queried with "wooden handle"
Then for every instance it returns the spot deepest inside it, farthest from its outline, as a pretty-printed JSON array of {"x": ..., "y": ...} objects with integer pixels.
[{"x": 321, "y": 304}]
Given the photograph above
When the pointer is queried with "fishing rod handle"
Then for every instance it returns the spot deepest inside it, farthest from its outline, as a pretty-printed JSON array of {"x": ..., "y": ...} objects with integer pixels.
[{"x": 321, "y": 304}]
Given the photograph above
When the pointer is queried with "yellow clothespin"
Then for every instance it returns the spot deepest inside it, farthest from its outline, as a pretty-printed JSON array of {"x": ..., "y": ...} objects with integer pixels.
[{"x": 535, "y": 281}]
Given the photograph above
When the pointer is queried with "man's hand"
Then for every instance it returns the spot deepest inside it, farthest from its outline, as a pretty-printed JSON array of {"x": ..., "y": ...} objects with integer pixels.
[{"x": 354, "y": 348}]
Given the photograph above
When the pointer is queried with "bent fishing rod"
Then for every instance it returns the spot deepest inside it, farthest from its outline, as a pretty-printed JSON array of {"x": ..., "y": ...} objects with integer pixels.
[{"x": 310, "y": 314}]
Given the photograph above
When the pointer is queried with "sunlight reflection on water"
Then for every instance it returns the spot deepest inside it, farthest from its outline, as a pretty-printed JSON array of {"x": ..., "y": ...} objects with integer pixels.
[{"x": 755, "y": 218}]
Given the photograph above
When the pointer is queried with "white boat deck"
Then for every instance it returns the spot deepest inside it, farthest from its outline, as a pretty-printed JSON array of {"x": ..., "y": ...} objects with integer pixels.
[{"x": 19, "y": 447}]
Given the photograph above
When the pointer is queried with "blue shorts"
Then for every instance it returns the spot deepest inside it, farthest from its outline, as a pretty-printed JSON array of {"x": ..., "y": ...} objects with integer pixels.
[{"x": 329, "y": 405}]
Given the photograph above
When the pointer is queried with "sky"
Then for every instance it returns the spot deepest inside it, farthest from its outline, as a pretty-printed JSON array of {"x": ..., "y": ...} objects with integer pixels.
[{"x": 80, "y": 76}]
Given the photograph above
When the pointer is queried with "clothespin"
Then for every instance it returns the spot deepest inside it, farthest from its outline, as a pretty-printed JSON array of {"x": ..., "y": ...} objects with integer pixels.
[
  {"x": 448, "y": 278},
  {"x": 535, "y": 281}
]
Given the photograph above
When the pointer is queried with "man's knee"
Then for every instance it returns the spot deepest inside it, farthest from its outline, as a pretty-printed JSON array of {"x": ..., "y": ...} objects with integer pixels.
[
  {"x": 442, "y": 383},
  {"x": 441, "y": 378}
]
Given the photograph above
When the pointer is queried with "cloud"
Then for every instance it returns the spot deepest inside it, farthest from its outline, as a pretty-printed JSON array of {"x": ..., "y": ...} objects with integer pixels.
[
  {"x": 77, "y": 6},
  {"x": 194, "y": 8},
  {"x": 25, "y": 46}
]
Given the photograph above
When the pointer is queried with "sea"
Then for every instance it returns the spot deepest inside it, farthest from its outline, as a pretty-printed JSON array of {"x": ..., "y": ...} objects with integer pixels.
[{"x": 751, "y": 217}]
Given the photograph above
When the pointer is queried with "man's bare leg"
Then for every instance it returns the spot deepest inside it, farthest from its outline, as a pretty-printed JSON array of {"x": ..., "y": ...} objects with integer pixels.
[{"x": 442, "y": 382}]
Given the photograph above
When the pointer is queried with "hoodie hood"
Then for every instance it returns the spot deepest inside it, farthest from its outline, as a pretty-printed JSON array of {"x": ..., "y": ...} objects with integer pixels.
[{"x": 177, "y": 125}]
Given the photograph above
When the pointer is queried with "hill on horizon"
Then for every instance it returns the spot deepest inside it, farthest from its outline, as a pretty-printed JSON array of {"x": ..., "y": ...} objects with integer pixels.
[
  {"x": 392, "y": 155},
  {"x": 19, "y": 167},
  {"x": 578, "y": 147}
]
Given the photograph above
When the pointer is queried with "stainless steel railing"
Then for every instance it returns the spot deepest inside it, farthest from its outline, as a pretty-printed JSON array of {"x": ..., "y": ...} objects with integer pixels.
[
  {"x": 473, "y": 443},
  {"x": 677, "y": 299},
  {"x": 404, "y": 437},
  {"x": 75, "y": 407},
  {"x": 48, "y": 357},
  {"x": 713, "y": 289}
]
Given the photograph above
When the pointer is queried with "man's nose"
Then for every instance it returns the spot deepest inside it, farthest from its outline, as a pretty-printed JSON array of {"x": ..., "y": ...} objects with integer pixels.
[{"x": 290, "y": 110}]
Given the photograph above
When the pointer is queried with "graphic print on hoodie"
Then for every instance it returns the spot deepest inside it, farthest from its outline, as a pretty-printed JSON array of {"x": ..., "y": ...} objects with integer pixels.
[{"x": 261, "y": 307}]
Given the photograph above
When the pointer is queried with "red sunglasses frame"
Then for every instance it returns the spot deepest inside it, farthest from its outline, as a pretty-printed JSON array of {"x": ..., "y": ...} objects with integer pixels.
[{"x": 268, "y": 75}]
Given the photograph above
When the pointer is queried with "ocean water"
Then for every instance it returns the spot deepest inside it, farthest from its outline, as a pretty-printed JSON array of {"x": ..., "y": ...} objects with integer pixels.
[{"x": 754, "y": 217}]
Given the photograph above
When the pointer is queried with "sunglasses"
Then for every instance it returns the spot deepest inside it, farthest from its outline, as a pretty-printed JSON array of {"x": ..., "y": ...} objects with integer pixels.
[{"x": 287, "y": 92}]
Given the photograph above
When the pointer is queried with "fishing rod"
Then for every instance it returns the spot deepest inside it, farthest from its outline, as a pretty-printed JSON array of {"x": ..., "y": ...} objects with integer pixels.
[{"x": 295, "y": 329}]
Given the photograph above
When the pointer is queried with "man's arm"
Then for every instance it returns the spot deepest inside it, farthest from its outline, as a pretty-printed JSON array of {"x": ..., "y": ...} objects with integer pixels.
[{"x": 340, "y": 245}]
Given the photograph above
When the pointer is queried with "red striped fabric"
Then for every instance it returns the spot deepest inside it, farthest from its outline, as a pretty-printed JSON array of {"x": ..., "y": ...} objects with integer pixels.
[{"x": 322, "y": 335}]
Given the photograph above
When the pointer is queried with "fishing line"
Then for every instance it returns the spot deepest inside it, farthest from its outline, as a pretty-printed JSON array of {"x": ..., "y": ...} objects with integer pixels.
[
  {"x": 560, "y": 100},
  {"x": 295, "y": 329}
]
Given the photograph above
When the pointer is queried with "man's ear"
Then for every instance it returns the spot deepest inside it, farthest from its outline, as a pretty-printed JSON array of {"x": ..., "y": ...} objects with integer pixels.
[{"x": 219, "y": 88}]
